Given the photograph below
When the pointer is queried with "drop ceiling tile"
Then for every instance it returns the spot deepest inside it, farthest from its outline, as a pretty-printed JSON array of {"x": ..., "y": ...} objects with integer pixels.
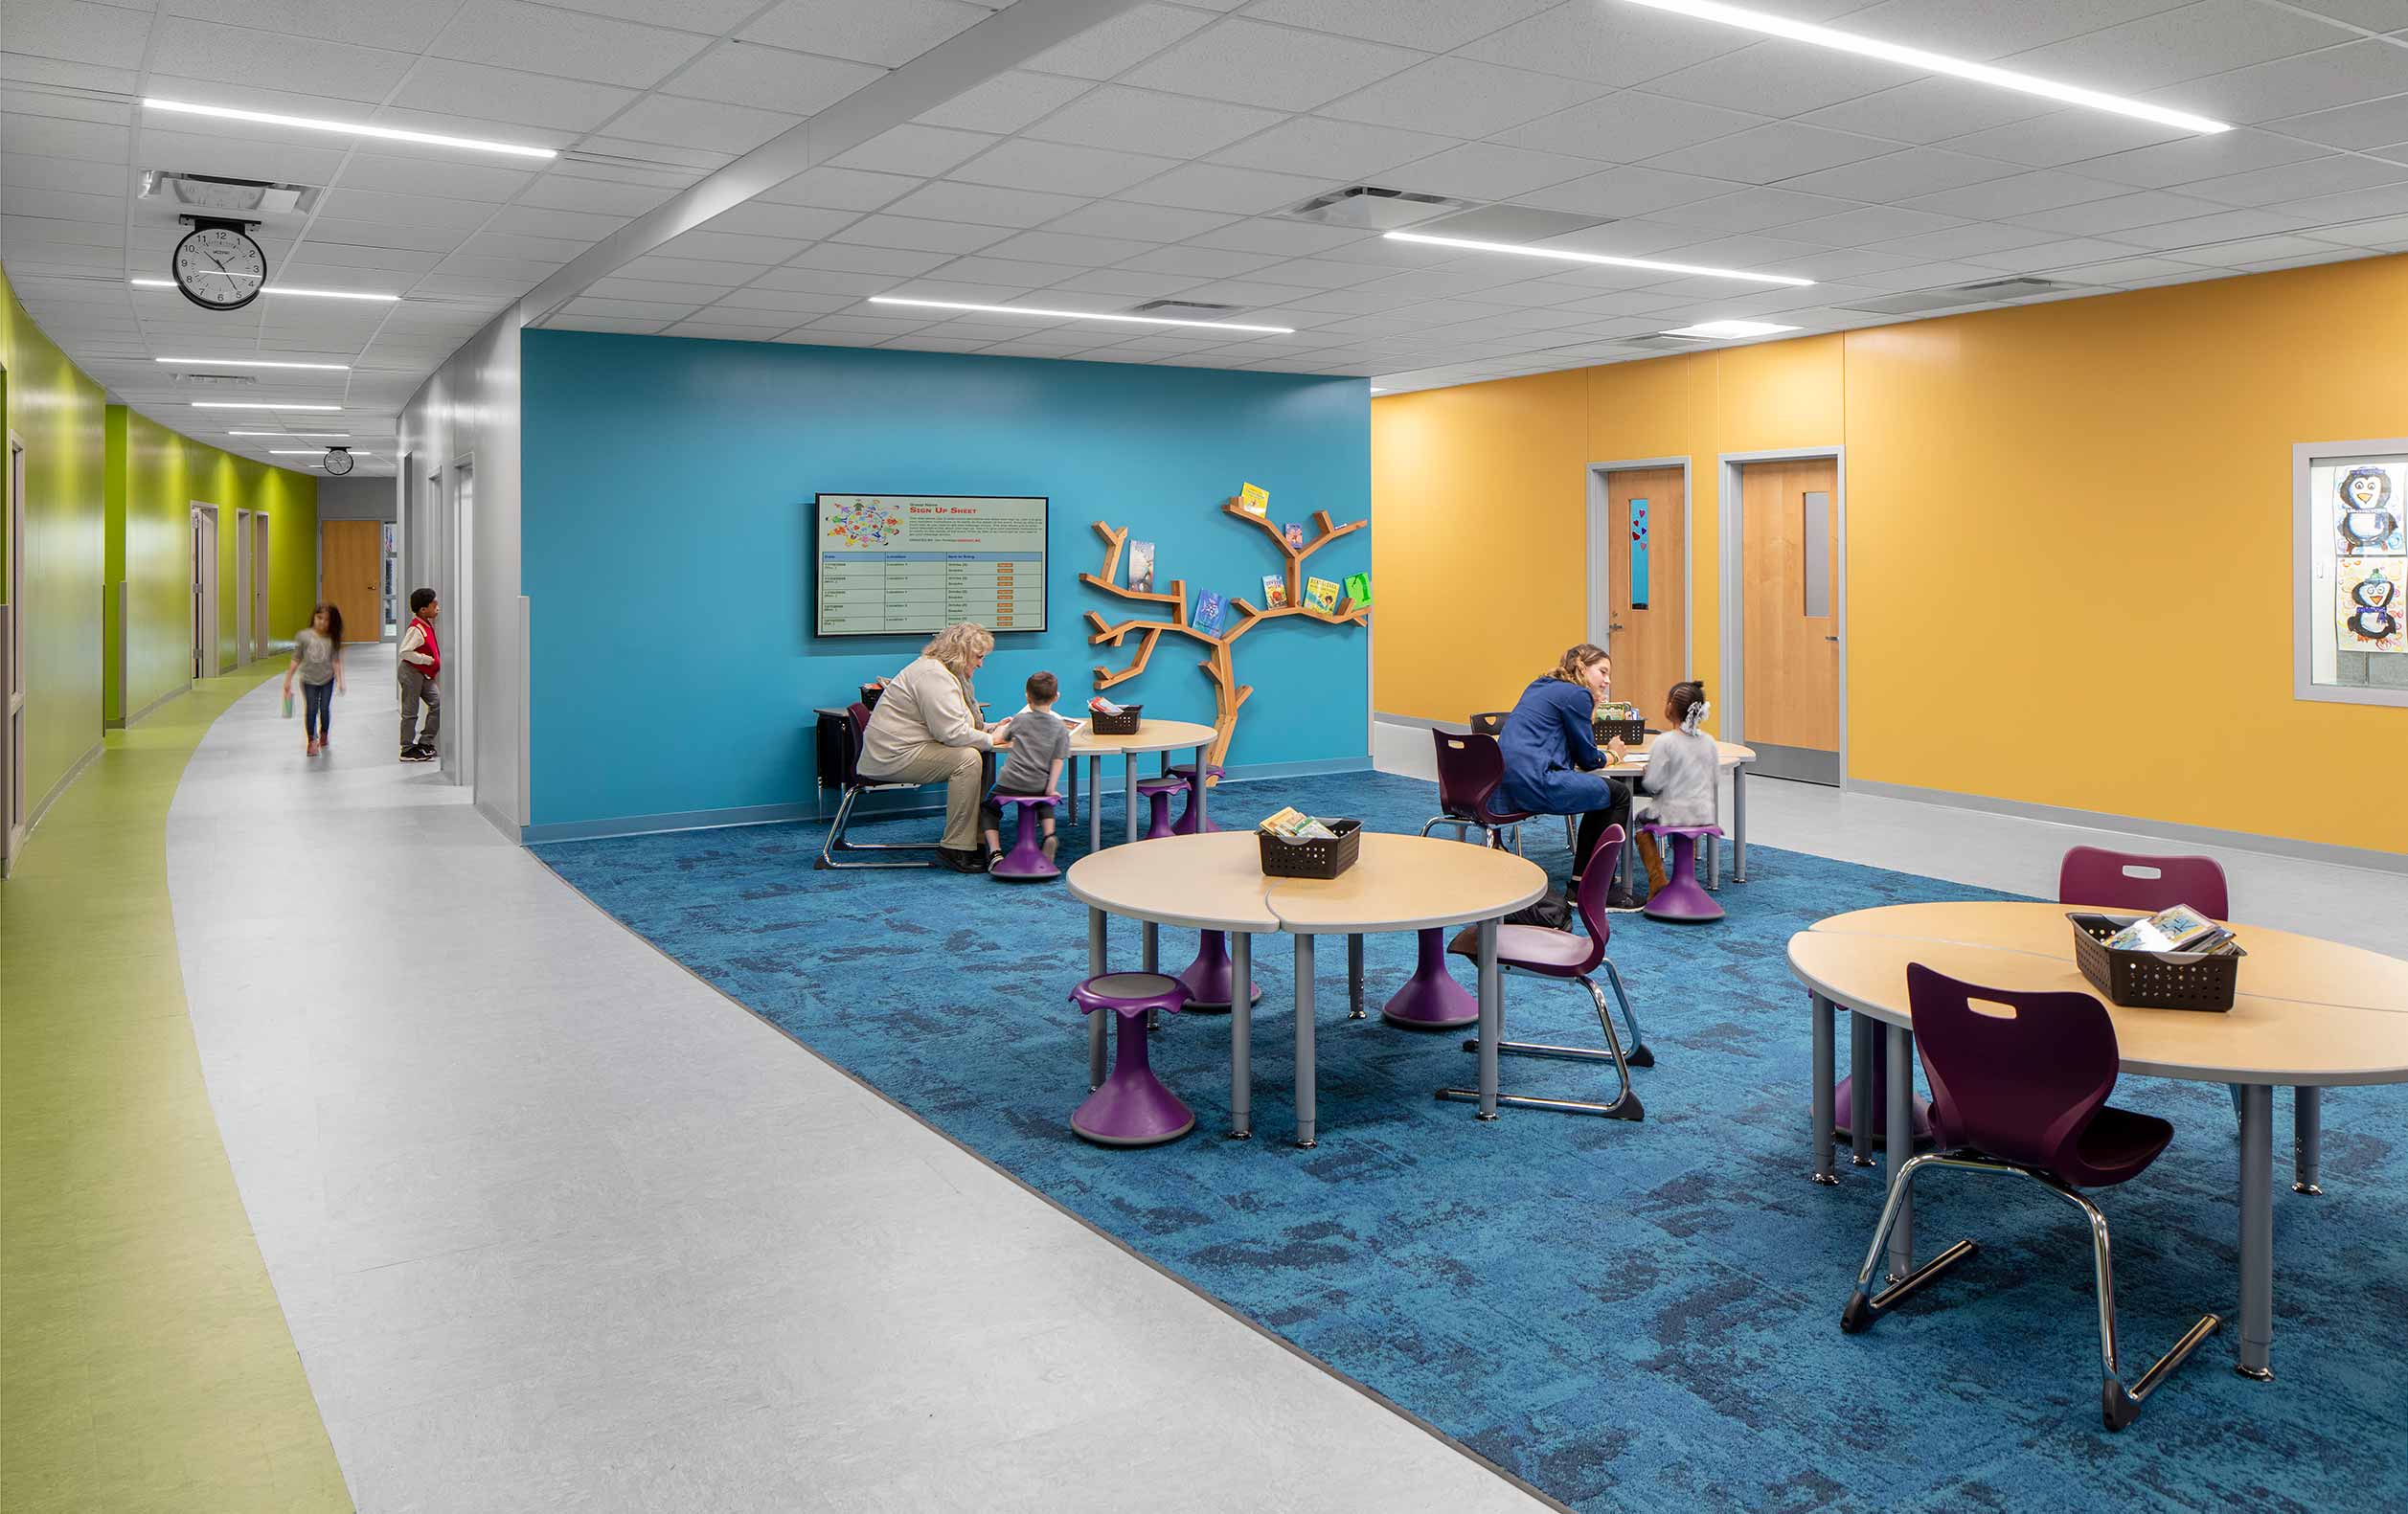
[
  {"x": 889, "y": 32},
  {"x": 728, "y": 331},
  {"x": 1335, "y": 149},
  {"x": 1123, "y": 281},
  {"x": 1061, "y": 247},
  {"x": 33, "y": 171},
  {"x": 2118, "y": 214},
  {"x": 1213, "y": 186},
  {"x": 1627, "y": 190},
  {"x": 2253, "y": 250},
  {"x": 230, "y": 54},
  {"x": 61, "y": 72},
  {"x": 2337, "y": 174},
  {"x": 78, "y": 32},
  {"x": 632, "y": 309},
  {"x": 757, "y": 218},
  {"x": 2326, "y": 210},
  {"x": 761, "y": 251},
  {"x": 562, "y": 321},
  {"x": 474, "y": 90},
  {"x": 1782, "y": 79},
  {"x": 453, "y": 180},
  {"x": 1930, "y": 110},
  {"x": 1314, "y": 273},
  {"x": 687, "y": 270},
  {"x": 51, "y": 102},
  {"x": 1772, "y": 152},
  {"x": 2181, "y": 43},
  {"x": 1481, "y": 170},
  {"x": 700, "y": 123},
  {"x": 825, "y": 281},
  {"x": 813, "y": 336},
  {"x": 912, "y": 234},
  {"x": 1983, "y": 31},
  {"x": 841, "y": 188},
  {"x": 1462, "y": 98},
  {"x": 984, "y": 204},
  {"x": 1006, "y": 102},
  {"x": 2041, "y": 257},
  {"x": 1150, "y": 121},
  {"x": 2064, "y": 137},
  {"x": 2340, "y": 75},
  {"x": 839, "y": 258},
  {"x": 2125, "y": 271},
  {"x": 1200, "y": 263},
  {"x": 921, "y": 151},
  {"x": 2019, "y": 194},
  {"x": 1433, "y": 26},
  {"x": 798, "y": 303},
  {"x": 1916, "y": 171},
  {"x": 514, "y": 34},
  {"x": 1749, "y": 210},
  {"x": 1867, "y": 224},
  {"x": 1118, "y": 43},
  {"x": 2187, "y": 160},
  {"x": 1627, "y": 126},
  {"x": 661, "y": 290},
  {"x": 2372, "y": 124},
  {"x": 1057, "y": 169},
  {"x": 558, "y": 191},
  {"x": 770, "y": 78},
  {"x": 1607, "y": 44},
  {"x": 503, "y": 244},
  {"x": 60, "y": 138},
  {"x": 527, "y": 271},
  {"x": 1252, "y": 64},
  {"x": 1281, "y": 238}
]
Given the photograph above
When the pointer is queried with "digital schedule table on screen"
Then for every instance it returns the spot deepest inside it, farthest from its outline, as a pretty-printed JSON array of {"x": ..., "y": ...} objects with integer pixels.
[{"x": 895, "y": 564}]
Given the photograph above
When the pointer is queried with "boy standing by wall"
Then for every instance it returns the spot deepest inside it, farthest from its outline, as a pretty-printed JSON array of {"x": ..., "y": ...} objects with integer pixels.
[{"x": 422, "y": 659}]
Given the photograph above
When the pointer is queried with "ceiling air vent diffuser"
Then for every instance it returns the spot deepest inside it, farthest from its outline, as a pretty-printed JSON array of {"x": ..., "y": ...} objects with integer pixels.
[
  {"x": 1183, "y": 310},
  {"x": 213, "y": 380},
  {"x": 1989, "y": 292},
  {"x": 1368, "y": 206},
  {"x": 207, "y": 192}
]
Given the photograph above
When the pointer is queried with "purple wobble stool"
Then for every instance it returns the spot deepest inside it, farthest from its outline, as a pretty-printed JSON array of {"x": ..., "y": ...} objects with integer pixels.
[
  {"x": 1431, "y": 1000},
  {"x": 1132, "y": 1108},
  {"x": 1681, "y": 898},
  {"x": 1158, "y": 792},
  {"x": 1026, "y": 862},
  {"x": 1211, "y": 979},
  {"x": 1185, "y": 772}
]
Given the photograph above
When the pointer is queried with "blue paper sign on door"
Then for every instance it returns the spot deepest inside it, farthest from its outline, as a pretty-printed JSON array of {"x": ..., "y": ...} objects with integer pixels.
[{"x": 1638, "y": 554}]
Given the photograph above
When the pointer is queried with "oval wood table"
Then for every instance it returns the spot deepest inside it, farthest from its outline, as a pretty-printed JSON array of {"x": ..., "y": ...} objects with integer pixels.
[
  {"x": 1164, "y": 737},
  {"x": 1215, "y": 882},
  {"x": 2310, "y": 1014}
]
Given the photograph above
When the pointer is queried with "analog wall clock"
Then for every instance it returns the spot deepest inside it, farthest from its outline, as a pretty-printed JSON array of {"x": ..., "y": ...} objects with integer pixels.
[
  {"x": 218, "y": 266},
  {"x": 338, "y": 461}
]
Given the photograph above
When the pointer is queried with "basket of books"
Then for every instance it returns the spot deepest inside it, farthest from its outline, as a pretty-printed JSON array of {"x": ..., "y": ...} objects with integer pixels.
[
  {"x": 1615, "y": 720},
  {"x": 1297, "y": 846},
  {"x": 1107, "y": 720},
  {"x": 2175, "y": 959}
]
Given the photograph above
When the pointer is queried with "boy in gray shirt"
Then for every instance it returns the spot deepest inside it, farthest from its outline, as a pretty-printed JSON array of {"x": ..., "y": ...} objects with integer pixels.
[{"x": 1037, "y": 743}]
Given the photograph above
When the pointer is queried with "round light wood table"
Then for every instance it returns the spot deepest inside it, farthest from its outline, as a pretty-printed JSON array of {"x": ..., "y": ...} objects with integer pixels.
[
  {"x": 1215, "y": 882},
  {"x": 2311, "y": 1014},
  {"x": 1164, "y": 737},
  {"x": 1733, "y": 759}
]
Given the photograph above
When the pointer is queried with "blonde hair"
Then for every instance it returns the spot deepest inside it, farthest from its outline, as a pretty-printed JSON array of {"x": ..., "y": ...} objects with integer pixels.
[
  {"x": 1576, "y": 659},
  {"x": 959, "y": 646}
]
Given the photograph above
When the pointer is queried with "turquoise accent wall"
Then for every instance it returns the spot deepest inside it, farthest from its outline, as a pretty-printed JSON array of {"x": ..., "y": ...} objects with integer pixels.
[{"x": 666, "y": 536}]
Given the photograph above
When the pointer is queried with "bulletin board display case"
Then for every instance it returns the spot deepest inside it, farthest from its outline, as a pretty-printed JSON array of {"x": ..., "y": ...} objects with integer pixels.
[{"x": 2350, "y": 577}]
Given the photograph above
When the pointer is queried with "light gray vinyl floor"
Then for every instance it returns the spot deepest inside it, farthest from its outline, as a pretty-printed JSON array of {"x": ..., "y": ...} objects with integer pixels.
[{"x": 557, "y": 1227}]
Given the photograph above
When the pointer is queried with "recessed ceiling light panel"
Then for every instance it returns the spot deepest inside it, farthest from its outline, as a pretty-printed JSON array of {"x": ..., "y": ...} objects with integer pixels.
[
  {"x": 249, "y": 362},
  {"x": 348, "y": 128},
  {"x": 280, "y": 288},
  {"x": 1564, "y": 255},
  {"x": 1080, "y": 315},
  {"x": 255, "y": 405},
  {"x": 1725, "y": 330}
]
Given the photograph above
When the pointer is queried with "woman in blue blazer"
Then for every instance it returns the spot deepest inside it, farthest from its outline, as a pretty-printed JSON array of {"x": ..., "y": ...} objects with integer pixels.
[{"x": 1551, "y": 756}]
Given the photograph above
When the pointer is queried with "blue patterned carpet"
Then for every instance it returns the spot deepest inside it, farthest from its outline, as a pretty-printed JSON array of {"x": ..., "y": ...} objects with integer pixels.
[{"x": 1630, "y": 1317}]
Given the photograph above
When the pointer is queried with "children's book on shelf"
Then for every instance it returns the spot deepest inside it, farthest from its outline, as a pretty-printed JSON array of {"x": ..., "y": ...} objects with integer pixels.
[
  {"x": 1254, "y": 500},
  {"x": 1274, "y": 591},
  {"x": 1359, "y": 588},
  {"x": 1141, "y": 566},
  {"x": 1293, "y": 533},
  {"x": 2180, "y": 929},
  {"x": 1212, "y": 611},
  {"x": 1321, "y": 594}
]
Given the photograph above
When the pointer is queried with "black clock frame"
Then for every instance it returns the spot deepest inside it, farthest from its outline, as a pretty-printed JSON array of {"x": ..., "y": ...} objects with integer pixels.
[{"x": 209, "y": 223}]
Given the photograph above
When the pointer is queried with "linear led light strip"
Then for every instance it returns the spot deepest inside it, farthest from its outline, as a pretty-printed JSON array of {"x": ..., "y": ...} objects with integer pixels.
[
  {"x": 280, "y": 288},
  {"x": 185, "y": 107},
  {"x": 313, "y": 452},
  {"x": 290, "y": 436},
  {"x": 1083, "y": 315},
  {"x": 254, "y": 404},
  {"x": 248, "y": 362},
  {"x": 1916, "y": 58},
  {"x": 1564, "y": 255}
]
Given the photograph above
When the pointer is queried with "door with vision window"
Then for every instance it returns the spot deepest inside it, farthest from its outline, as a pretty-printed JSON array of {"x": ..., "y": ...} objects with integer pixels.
[{"x": 1789, "y": 617}]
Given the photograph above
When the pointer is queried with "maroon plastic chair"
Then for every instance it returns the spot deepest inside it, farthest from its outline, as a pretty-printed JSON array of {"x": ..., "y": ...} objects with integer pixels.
[
  {"x": 1470, "y": 769},
  {"x": 1568, "y": 955},
  {"x": 2025, "y": 1091},
  {"x": 2127, "y": 880},
  {"x": 854, "y": 785}
]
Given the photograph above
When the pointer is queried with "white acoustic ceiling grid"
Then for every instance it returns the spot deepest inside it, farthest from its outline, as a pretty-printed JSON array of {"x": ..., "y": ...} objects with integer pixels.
[{"x": 1152, "y": 157}]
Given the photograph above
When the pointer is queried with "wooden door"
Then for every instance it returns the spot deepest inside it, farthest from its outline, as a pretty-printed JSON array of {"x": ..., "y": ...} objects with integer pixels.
[
  {"x": 1647, "y": 592},
  {"x": 1789, "y": 616},
  {"x": 351, "y": 569}
]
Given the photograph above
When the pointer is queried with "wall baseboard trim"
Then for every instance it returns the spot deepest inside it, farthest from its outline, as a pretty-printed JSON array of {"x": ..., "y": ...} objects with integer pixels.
[
  {"x": 146, "y": 711},
  {"x": 66, "y": 780},
  {"x": 2365, "y": 857},
  {"x": 1419, "y": 724},
  {"x": 902, "y": 804}
]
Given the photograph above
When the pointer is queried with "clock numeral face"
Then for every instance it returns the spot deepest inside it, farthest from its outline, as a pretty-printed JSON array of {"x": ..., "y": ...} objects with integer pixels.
[{"x": 219, "y": 267}]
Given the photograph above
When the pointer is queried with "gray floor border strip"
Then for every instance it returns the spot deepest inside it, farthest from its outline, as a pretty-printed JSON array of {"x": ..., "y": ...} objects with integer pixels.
[{"x": 980, "y": 1158}]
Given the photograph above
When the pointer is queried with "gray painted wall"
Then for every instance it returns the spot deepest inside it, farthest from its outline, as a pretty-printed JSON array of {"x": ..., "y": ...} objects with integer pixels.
[{"x": 359, "y": 499}]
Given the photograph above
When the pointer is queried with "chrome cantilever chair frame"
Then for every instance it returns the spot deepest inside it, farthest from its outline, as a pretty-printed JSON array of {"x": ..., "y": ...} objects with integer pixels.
[{"x": 854, "y": 786}]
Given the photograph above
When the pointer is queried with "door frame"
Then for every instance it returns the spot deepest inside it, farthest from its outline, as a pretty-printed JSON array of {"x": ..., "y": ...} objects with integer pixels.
[
  {"x": 262, "y": 630},
  {"x": 1730, "y": 546},
  {"x": 205, "y": 659},
  {"x": 460, "y": 755},
  {"x": 1601, "y": 516},
  {"x": 16, "y": 734},
  {"x": 242, "y": 653}
]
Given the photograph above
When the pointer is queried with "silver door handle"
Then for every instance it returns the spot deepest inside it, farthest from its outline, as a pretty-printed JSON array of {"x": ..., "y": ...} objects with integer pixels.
[
  {"x": 1831, "y": 638},
  {"x": 1614, "y": 626}
]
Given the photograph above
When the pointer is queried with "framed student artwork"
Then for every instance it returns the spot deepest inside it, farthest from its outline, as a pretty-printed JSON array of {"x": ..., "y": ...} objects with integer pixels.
[{"x": 2349, "y": 571}]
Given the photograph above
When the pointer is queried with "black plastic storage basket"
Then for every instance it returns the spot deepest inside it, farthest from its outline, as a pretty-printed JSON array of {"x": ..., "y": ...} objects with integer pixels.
[
  {"x": 2146, "y": 981},
  {"x": 1124, "y": 724},
  {"x": 1631, "y": 732},
  {"x": 1318, "y": 858}
]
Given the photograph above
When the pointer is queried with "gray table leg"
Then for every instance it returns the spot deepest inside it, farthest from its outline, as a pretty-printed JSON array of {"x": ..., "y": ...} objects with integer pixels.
[
  {"x": 1095, "y": 805},
  {"x": 1241, "y": 1039},
  {"x": 1825, "y": 1115},
  {"x": 2307, "y": 1137},
  {"x": 1094, "y": 1022},
  {"x": 2257, "y": 1231},
  {"x": 1860, "y": 1032},
  {"x": 1491, "y": 1017},
  {"x": 1713, "y": 862},
  {"x": 1354, "y": 977},
  {"x": 1304, "y": 1040},
  {"x": 1129, "y": 792},
  {"x": 1202, "y": 787},
  {"x": 1069, "y": 775},
  {"x": 1900, "y": 1121},
  {"x": 1738, "y": 824},
  {"x": 1149, "y": 959}
]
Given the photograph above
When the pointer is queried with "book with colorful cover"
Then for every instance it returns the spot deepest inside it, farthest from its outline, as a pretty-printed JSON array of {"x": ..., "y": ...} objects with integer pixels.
[
  {"x": 1323, "y": 594},
  {"x": 1141, "y": 566},
  {"x": 1359, "y": 588},
  {"x": 2181, "y": 928},
  {"x": 1293, "y": 533},
  {"x": 1212, "y": 611},
  {"x": 1274, "y": 591},
  {"x": 1254, "y": 500}
]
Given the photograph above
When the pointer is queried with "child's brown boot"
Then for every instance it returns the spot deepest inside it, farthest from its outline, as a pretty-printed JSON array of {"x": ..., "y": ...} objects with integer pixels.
[{"x": 1651, "y": 858}]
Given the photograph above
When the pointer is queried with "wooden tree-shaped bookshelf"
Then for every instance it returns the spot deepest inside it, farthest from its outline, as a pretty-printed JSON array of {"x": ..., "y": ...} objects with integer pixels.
[{"x": 1229, "y": 696}]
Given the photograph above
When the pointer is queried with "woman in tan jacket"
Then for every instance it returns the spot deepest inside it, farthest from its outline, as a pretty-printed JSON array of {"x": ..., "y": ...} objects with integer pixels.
[{"x": 926, "y": 729}]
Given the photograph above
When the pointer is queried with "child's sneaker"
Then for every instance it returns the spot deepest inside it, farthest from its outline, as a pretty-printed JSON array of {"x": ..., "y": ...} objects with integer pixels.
[
  {"x": 312, "y": 749},
  {"x": 420, "y": 754}
]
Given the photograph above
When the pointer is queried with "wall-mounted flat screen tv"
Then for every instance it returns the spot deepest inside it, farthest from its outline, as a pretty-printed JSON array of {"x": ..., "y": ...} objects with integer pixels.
[{"x": 911, "y": 564}]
